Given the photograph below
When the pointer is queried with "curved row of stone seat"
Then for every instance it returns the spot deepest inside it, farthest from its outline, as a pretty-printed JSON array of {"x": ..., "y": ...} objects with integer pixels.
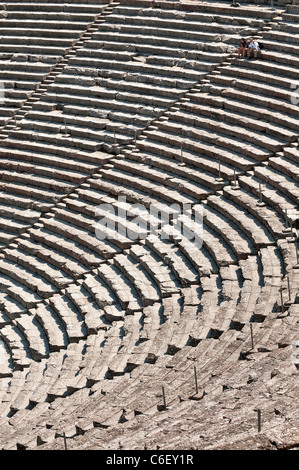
[
  {"x": 32, "y": 183},
  {"x": 27, "y": 57},
  {"x": 282, "y": 38},
  {"x": 57, "y": 407},
  {"x": 171, "y": 310},
  {"x": 136, "y": 405},
  {"x": 238, "y": 418},
  {"x": 194, "y": 125},
  {"x": 25, "y": 158},
  {"x": 140, "y": 404},
  {"x": 234, "y": 375},
  {"x": 271, "y": 187},
  {"x": 107, "y": 68}
]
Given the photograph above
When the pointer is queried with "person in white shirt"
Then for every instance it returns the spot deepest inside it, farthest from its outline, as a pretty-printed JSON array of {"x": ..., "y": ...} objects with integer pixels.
[{"x": 253, "y": 48}]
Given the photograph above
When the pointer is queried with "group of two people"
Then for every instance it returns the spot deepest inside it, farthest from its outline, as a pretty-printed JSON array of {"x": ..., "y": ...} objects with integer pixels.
[{"x": 249, "y": 48}]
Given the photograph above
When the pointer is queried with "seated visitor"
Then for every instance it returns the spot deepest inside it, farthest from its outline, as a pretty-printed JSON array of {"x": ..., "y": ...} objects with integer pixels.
[
  {"x": 253, "y": 48},
  {"x": 242, "y": 48}
]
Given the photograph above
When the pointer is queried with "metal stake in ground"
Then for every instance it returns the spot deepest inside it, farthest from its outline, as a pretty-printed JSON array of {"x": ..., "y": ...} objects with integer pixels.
[
  {"x": 289, "y": 287},
  {"x": 281, "y": 299},
  {"x": 235, "y": 180},
  {"x": 164, "y": 398},
  {"x": 291, "y": 227},
  {"x": 259, "y": 420},
  {"x": 182, "y": 155},
  {"x": 251, "y": 334},
  {"x": 220, "y": 179},
  {"x": 64, "y": 438},
  {"x": 195, "y": 378},
  {"x": 286, "y": 219}
]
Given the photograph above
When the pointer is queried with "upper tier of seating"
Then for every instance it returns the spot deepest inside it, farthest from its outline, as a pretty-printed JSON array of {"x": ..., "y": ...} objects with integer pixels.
[{"x": 35, "y": 38}]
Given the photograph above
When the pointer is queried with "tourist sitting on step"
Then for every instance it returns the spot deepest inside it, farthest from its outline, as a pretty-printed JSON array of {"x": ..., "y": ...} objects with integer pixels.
[
  {"x": 242, "y": 48},
  {"x": 253, "y": 49}
]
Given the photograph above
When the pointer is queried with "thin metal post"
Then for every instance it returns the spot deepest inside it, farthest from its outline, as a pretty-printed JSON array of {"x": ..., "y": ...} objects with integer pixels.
[
  {"x": 281, "y": 300},
  {"x": 65, "y": 444},
  {"x": 235, "y": 179},
  {"x": 251, "y": 334},
  {"x": 164, "y": 398},
  {"x": 259, "y": 420},
  {"x": 289, "y": 287},
  {"x": 296, "y": 248},
  {"x": 182, "y": 154},
  {"x": 261, "y": 194},
  {"x": 195, "y": 377},
  {"x": 286, "y": 218},
  {"x": 291, "y": 227}
]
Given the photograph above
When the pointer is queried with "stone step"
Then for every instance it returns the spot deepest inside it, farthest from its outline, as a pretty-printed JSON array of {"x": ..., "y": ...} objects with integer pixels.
[
  {"x": 258, "y": 87},
  {"x": 274, "y": 198},
  {"x": 287, "y": 47},
  {"x": 240, "y": 244},
  {"x": 38, "y": 181},
  {"x": 148, "y": 291},
  {"x": 33, "y": 282},
  {"x": 44, "y": 23},
  {"x": 137, "y": 67},
  {"x": 75, "y": 176},
  {"x": 273, "y": 68},
  {"x": 202, "y": 161},
  {"x": 194, "y": 25},
  {"x": 66, "y": 265},
  {"x": 292, "y": 153},
  {"x": 71, "y": 319},
  {"x": 37, "y": 150},
  {"x": 285, "y": 166},
  {"x": 39, "y": 268},
  {"x": 154, "y": 188},
  {"x": 58, "y": 243},
  {"x": 62, "y": 17},
  {"x": 253, "y": 204},
  {"x": 128, "y": 6},
  {"x": 184, "y": 185},
  {"x": 39, "y": 31},
  {"x": 226, "y": 150},
  {"x": 279, "y": 180},
  {"x": 57, "y": 7},
  {"x": 160, "y": 162},
  {"x": 277, "y": 105},
  {"x": 206, "y": 33},
  {"x": 50, "y": 323},
  {"x": 187, "y": 123},
  {"x": 172, "y": 256},
  {"x": 250, "y": 225},
  {"x": 258, "y": 126},
  {"x": 257, "y": 112}
]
